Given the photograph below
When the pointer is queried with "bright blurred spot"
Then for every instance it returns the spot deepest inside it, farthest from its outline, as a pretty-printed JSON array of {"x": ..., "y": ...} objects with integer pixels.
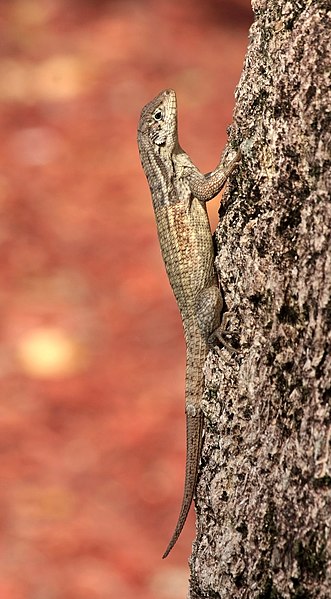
[
  {"x": 60, "y": 77},
  {"x": 49, "y": 352},
  {"x": 170, "y": 583},
  {"x": 30, "y": 12}
]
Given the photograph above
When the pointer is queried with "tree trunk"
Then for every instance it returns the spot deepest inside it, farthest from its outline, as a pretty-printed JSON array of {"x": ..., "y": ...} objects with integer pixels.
[{"x": 263, "y": 498}]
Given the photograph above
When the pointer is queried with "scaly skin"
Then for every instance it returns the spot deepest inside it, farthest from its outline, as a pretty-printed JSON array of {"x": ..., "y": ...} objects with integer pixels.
[{"x": 179, "y": 193}]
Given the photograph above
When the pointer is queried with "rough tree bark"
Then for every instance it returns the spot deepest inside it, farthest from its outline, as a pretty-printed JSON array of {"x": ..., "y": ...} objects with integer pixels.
[{"x": 263, "y": 498}]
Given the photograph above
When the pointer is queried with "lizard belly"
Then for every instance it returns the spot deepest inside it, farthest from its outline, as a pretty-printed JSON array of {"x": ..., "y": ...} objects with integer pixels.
[{"x": 187, "y": 250}]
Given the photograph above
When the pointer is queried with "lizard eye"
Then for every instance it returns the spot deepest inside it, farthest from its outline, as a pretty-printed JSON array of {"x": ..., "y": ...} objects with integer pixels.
[{"x": 158, "y": 115}]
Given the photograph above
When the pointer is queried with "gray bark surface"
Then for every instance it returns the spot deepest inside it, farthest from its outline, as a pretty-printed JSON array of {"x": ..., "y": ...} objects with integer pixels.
[{"x": 263, "y": 498}]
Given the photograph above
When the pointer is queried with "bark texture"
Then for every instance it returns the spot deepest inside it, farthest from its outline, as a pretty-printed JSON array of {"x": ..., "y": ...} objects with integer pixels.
[{"x": 264, "y": 493}]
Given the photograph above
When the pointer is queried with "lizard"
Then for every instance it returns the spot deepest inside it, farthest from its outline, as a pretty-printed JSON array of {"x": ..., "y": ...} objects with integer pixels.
[{"x": 179, "y": 194}]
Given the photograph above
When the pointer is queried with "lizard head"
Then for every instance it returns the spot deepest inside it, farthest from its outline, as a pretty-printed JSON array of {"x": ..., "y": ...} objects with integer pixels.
[{"x": 158, "y": 122}]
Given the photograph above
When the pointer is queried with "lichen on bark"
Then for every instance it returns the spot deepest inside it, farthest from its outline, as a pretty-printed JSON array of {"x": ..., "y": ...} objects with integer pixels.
[{"x": 263, "y": 499}]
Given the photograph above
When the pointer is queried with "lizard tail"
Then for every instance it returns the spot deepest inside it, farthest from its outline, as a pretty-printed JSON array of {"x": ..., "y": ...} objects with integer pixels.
[{"x": 194, "y": 426}]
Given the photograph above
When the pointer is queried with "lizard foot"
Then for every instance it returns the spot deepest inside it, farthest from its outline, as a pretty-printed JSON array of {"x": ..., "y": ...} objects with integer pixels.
[{"x": 218, "y": 335}]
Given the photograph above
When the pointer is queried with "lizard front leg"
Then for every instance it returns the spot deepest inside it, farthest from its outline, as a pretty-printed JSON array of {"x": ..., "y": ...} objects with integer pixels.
[{"x": 206, "y": 187}]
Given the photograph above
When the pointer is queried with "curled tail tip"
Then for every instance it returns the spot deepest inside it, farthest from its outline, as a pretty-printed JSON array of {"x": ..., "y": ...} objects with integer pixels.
[
  {"x": 169, "y": 548},
  {"x": 194, "y": 440},
  {"x": 175, "y": 536}
]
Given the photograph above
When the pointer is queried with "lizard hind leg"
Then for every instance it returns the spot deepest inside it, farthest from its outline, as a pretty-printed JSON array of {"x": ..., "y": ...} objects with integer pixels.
[
  {"x": 208, "y": 310},
  {"x": 209, "y": 306}
]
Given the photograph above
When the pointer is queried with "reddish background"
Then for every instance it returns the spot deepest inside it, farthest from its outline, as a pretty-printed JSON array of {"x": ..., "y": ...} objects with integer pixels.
[{"x": 92, "y": 432}]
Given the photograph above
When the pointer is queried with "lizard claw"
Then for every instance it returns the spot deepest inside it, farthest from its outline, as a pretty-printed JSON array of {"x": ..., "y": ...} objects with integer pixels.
[{"x": 218, "y": 335}]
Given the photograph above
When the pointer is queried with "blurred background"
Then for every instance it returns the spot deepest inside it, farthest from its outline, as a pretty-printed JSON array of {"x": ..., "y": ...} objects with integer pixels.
[{"x": 92, "y": 427}]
